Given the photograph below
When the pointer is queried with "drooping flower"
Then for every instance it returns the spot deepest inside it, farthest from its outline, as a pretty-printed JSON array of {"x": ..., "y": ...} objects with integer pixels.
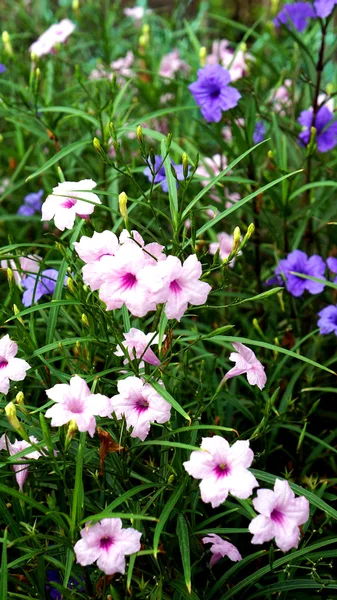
[
  {"x": 280, "y": 516},
  {"x": 246, "y": 362},
  {"x": 222, "y": 469},
  {"x": 324, "y": 8},
  {"x": 53, "y": 576},
  {"x": 221, "y": 548},
  {"x": 11, "y": 368},
  {"x": 31, "y": 204},
  {"x": 91, "y": 250},
  {"x": 212, "y": 92},
  {"x": 296, "y": 15},
  {"x": 160, "y": 176},
  {"x": 178, "y": 285},
  {"x": 70, "y": 198},
  {"x": 108, "y": 544},
  {"x": 20, "y": 470},
  {"x": 259, "y": 132},
  {"x": 141, "y": 405},
  {"x": 55, "y": 34},
  {"x": 75, "y": 402},
  {"x": 40, "y": 285},
  {"x": 326, "y": 128},
  {"x": 298, "y": 262},
  {"x": 225, "y": 246},
  {"x": 327, "y": 321},
  {"x": 28, "y": 264},
  {"x": 138, "y": 345},
  {"x": 234, "y": 62},
  {"x": 171, "y": 63}
]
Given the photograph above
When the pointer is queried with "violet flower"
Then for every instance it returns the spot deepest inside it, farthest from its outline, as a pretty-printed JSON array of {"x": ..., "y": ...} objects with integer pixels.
[
  {"x": 296, "y": 15},
  {"x": 2, "y": 68},
  {"x": 298, "y": 262},
  {"x": 53, "y": 576},
  {"x": 259, "y": 132},
  {"x": 160, "y": 176},
  {"x": 31, "y": 204},
  {"x": 324, "y": 8},
  {"x": 326, "y": 128},
  {"x": 212, "y": 92},
  {"x": 332, "y": 264},
  {"x": 327, "y": 321},
  {"x": 39, "y": 285}
]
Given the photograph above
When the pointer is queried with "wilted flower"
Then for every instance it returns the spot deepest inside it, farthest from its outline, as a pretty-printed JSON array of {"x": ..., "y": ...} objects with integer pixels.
[
  {"x": 56, "y": 34},
  {"x": 70, "y": 198},
  {"x": 298, "y": 262},
  {"x": 138, "y": 345},
  {"x": 141, "y": 405},
  {"x": 108, "y": 544},
  {"x": 160, "y": 176},
  {"x": 21, "y": 470},
  {"x": 222, "y": 469},
  {"x": 325, "y": 125},
  {"x": 212, "y": 92},
  {"x": 246, "y": 362},
  {"x": 259, "y": 132},
  {"x": 221, "y": 548},
  {"x": 40, "y": 285},
  {"x": 31, "y": 204},
  {"x": 11, "y": 368},
  {"x": 280, "y": 516},
  {"x": 327, "y": 321},
  {"x": 296, "y": 15},
  {"x": 75, "y": 402}
]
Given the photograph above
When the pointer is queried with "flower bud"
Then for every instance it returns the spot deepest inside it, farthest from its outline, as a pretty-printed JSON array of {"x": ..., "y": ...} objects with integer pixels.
[
  {"x": 250, "y": 231},
  {"x": 37, "y": 73},
  {"x": 20, "y": 398},
  {"x": 97, "y": 144},
  {"x": 330, "y": 88},
  {"x": 140, "y": 134},
  {"x": 146, "y": 29},
  {"x": 84, "y": 320},
  {"x": 7, "y": 43},
  {"x": 33, "y": 57},
  {"x": 236, "y": 239},
  {"x": 9, "y": 275},
  {"x": 257, "y": 327},
  {"x": 76, "y": 6},
  {"x": 70, "y": 433},
  {"x": 202, "y": 55},
  {"x": 185, "y": 164},
  {"x": 70, "y": 285},
  {"x": 10, "y": 411}
]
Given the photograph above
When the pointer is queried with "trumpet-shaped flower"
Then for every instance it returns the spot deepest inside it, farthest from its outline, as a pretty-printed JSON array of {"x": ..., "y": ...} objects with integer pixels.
[
  {"x": 332, "y": 264},
  {"x": 246, "y": 362},
  {"x": 40, "y": 285},
  {"x": 141, "y": 405},
  {"x": 296, "y": 15},
  {"x": 222, "y": 469},
  {"x": 11, "y": 368},
  {"x": 326, "y": 128},
  {"x": 138, "y": 345},
  {"x": 178, "y": 285},
  {"x": 280, "y": 516},
  {"x": 70, "y": 198},
  {"x": 75, "y": 402},
  {"x": 298, "y": 262},
  {"x": 171, "y": 63},
  {"x": 108, "y": 544},
  {"x": 91, "y": 250},
  {"x": 153, "y": 251},
  {"x": 212, "y": 92},
  {"x": 324, "y": 8},
  {"x": 259, "y": 132},
  {"x": 327, "y": 321},
  {"x": 20, "y": 470},
  {"x": 221, "y": 548}
]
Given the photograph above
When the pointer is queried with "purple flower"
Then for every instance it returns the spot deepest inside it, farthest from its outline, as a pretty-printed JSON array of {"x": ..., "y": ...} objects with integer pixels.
[
  {"x": 327, "y": 321},
  {"x": 2, "y": 68},
  {"x": 31, "y": 204},
  {"x": 39, "y": 285},
  {"x": 298, "y": 262},
  {"x": 259, "y": 132},
  {"x": 212, "y": 92},
  {"x": 297, "y": 14},
  {"x": 326, "y": 128},
  {"x": 53, "y": 576},
  {"x": 332, "y": 264},
  {"x": 324, "y": 8},
  {"x": 159, "y": 169}
]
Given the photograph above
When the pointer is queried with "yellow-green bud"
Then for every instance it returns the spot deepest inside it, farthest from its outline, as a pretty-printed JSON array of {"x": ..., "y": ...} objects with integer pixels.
[
  {"x": 250, "y": 231},
  {"x": 146, "y": 29},
  {"x": 70, "y": 285},
  {"x": 184, "y": 160},
  {"x": 140, "y": 134},
  {"x": 7, "y": 43},
  {"x": 1, "y": 138},
  {"x": 33, "y": 57},
  {"x": 243, "y": 47},
  {"x": 10, "y": 411},
  {"x": 84, "y": 320},
  {"x": 170, "y": 479},
  {"x": 202, "y": 55},
  {"x": 122, "y": 201},
  {"x": 143, "y": 40},
  {"x": 76, "y": 5},
  {"x": 70, "y": 433},
  {"x": 9, "y": 275},
  {"x": 20, "y": 398},
  {"x": 270, "y": 155},
  {"x": 330, "y": 88},
  {"x": 257, "y": 327},
  {"x": 37, "y": 73},
  {"x": 97, "y": 144},
  {"x": 236, "y": 239},
  {"x": 16, "y": 311}
]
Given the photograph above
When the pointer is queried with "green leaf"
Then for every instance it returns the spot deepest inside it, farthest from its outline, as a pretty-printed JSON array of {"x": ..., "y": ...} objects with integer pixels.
[
  {"x": 171, "y": 184},
  {"x": 184, "y": 545},
  {"x": 169, "y": 506},
  {"x": 4, "y": 570},
  {"x": 71, "y": 148},
  {"x": 165, "y": 394}
]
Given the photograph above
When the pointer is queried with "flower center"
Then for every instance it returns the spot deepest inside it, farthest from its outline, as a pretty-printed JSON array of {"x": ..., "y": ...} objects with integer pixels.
[
  {"x": 75, "y": 405},
  {"x": 222, "y": 470},
  {"x": 142, "y": 404},
  {"x": 175, "y": 287},
  {"x": 276, "y": 516},
  {"x": 128, "y": 281},
  {"x": 68, "y": 203},
  {"x": 215, "y": 93},
  {"x": 106, "y": 542},
  {"x": 3, "y": 363}
]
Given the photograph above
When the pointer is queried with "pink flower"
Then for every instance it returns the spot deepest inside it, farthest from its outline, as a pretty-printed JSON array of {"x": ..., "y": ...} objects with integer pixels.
[
  {"x": 56, "y": 34},
  {"x": 225, "y": 244},
  {"x": 171, "y": 63},
  {"x": 280, "y": 516},
  {"x": 281, "y": 98},
  {"x": 21, "y": 470},
  {"x": 75, "y": 402},
  {"x": 70, "y": 198},
  {"x": 221, "y": 548},
  {"x": 108, "y": 544},
  {"x": 234, "y": 62},
  {"x": 246, "y": 362},
  {"x": 222, "y": 469},
  {"x": 141, "y": 405},
  {"x": 29, "y": 264},
  {"x": 123, "y": 282},
  {"x": 138, "y": 345},
  {"x": 212, "y": 167},
  {"x": 232, "y": 198},
  {"x": 153, "y": 252},
  {"x": 122, "y": 66},
  {"x": 136, "y": 12},
  {"x": 91, "y": 250},
  {"x": 178, "y": 285},
  {"x": 11, "y": 368}
]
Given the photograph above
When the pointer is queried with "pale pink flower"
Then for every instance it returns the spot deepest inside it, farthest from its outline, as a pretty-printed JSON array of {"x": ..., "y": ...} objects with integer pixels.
[
  {"x": 108, "y": 544},
  {"x": 235, "y": 63},
  {"x": 178, "y": 285},
  {"x": 225, "y": 244},
  {"x": 227, "y": 130},
  {"x": 28, "y": 264},
  {"x": 246, "y": 362},
  {"x": 11, "y": 368},
  {"x": 153, "y": 251},
  {"x": 21, "y": 470},
  {"x": 75, "y": 402},
  {"x": 211, "y": 168},
  {"x": 70, "y": 198},
  {"x": 325, "y": 100},
  {"x": 232, "y": 198},
  {"x": 221, "y": 548},
  {"x": 280, "y": 516},
  {"x": 171, "y": 63},
  {"x": 122, "y": 66},
  {"x": 136, "y": 12},
  {"x": 281, "y": 98},
  {"x": 56, "y": 34},
  {"x": 91, "y": 250},
  {"x": 138, "y": 345},
  {"x": 141, "y": 405},
  {"x": 222, "y": 469}
]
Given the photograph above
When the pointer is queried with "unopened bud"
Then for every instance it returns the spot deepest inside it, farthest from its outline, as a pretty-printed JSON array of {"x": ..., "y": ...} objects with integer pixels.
[
  {"x": 243, "y": 47},
  {"x": 250, "y": 231},
  {"x": 312, "y": 141},
  {"x": 140, "y": 134},
  {"x": 7, "y": 43},
  {"x": 202, "y": 55},
  {"x": 20, "y": 398},
  {"x": 184, "y": 160},
  {"x": 9, "y": 275},
  {"x": 33, "y": 57},
  {"x": 70, "y": 285},
  {"x": 236, "y": 239},
  {"x": 70, "y": 433},
  {"x": 270, "y": 155},
  {"x": 146, "y": 29},
  {"x": 257, "y": 327},
  {"x": 97, "y": 144},
  {"x": 37, "y": 73},
  {"x": 143, "y": 41},
  {"x": 170, "y": 479},
  {"x": 10, "y": 411},
  {"x": 330, "y": 88},
  {"x": 16, "y": 311},
  {"x": 76, "y": 6},
  {"x": 1, "y": 138},
  {"x": 84, "y": 320}
]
